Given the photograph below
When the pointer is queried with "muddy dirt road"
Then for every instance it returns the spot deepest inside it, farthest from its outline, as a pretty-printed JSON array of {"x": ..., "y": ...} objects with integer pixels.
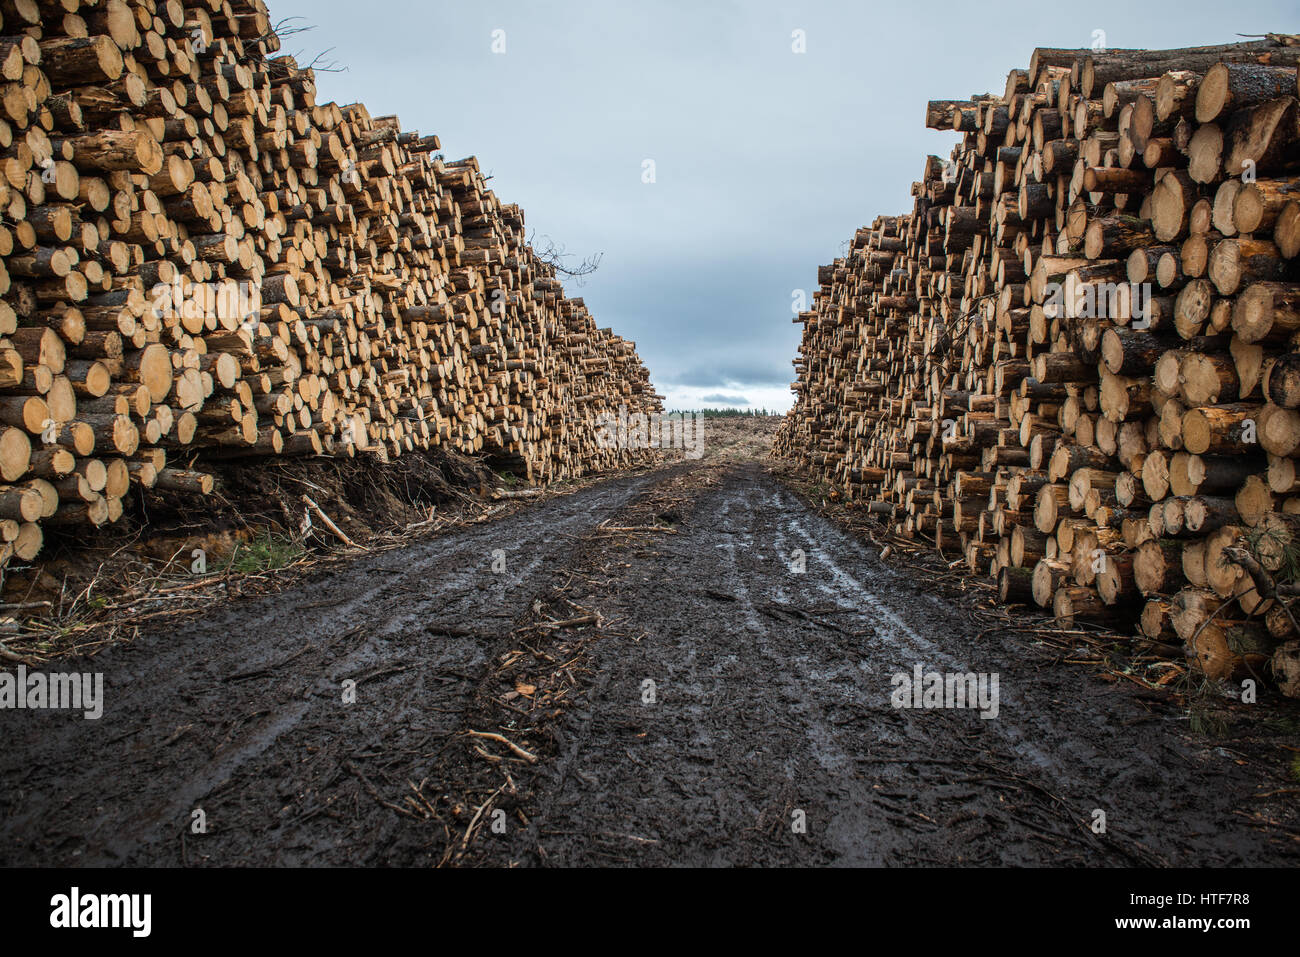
[{"x": 635, "y": 673}]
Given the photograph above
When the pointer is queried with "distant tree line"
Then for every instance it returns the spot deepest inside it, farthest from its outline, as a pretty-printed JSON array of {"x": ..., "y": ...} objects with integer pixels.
[{"x": 727, "y": 413}]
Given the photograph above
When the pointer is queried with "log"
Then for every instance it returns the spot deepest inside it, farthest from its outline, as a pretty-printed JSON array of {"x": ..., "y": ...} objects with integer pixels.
[
  {"x": 205, "y": 257},
  {"x": 1077, "y": 351}
]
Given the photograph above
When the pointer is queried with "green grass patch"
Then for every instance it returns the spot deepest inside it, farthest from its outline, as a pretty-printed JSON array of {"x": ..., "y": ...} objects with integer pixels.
[{"x": 265, "y": 552}]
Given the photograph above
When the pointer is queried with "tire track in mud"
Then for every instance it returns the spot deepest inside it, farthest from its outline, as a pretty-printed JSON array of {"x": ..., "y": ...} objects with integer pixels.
[
  {"x": 911, "y": 809},
  {"x": 773, "y": 696},
  {"x": 240, "y": 713}
]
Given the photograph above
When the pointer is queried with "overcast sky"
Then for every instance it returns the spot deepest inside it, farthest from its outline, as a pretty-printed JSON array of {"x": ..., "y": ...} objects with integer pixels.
[{"x": 765, "y": 160}]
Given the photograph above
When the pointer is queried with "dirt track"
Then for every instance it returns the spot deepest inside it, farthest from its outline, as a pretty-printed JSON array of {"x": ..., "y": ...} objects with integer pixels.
[{"x": 772, "y": 695}]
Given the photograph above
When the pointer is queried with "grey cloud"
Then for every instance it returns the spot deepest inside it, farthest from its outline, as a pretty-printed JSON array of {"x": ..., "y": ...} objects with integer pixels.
[
  {"x": 734, "y": 376},
  {"x": 766, "y": 160}
]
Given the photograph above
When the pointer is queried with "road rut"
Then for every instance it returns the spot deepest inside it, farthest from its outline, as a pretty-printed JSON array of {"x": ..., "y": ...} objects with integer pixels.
[{"x": 770, "y": 737}]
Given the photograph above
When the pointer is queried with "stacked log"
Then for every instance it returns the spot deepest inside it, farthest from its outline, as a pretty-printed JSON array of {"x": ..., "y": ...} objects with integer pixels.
[
  {"x": 199, "y": 261},
  {"x": 1076, "y": 362}
]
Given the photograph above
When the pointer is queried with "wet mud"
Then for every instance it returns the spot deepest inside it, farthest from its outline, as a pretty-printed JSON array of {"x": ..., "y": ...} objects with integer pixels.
[{"x": 682, "y": 667}]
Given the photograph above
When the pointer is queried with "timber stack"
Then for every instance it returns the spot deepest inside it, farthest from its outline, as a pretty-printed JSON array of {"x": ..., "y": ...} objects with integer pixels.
[
  {"x": 1076, "y": 362},
  {"x": 198, "y": 261}
]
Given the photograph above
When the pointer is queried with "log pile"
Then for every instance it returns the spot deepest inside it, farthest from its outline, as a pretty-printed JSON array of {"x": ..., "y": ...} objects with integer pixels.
[
  {"x": 1076, "y": 362},
  {"x": 199, "y": 261}
]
